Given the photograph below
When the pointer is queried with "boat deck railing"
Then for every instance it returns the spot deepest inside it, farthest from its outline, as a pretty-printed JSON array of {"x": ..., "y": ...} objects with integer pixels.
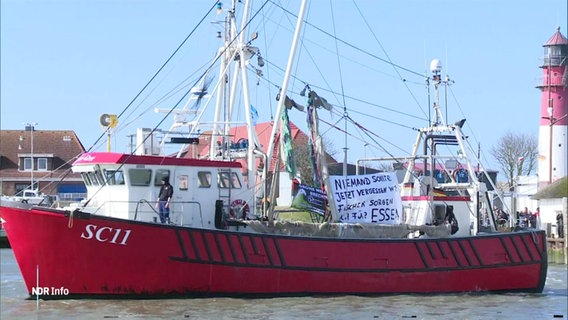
[{"x": 145, "y": 204}]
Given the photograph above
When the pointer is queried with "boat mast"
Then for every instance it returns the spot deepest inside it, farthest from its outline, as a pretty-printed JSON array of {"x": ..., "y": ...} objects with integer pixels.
[
  {"x": 225, "y": 56},
  {"x": 283, "y": 90},
  {"x": 245, "y": 52},
  {"x": 436, "y": 67}
]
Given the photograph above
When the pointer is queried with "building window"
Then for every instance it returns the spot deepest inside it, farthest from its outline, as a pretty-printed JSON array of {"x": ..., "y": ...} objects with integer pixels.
[
  {"x": 42, "y": 164},
  {"x": 27, "y": 164},
  {"x": 20, "y": 187}
]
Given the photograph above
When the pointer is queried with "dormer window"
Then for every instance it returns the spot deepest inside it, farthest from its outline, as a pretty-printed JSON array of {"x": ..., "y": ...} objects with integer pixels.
[{"x": 39, "y": 162}]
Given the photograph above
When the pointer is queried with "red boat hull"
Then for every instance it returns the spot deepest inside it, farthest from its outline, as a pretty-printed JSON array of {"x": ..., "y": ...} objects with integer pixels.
[{"x": 89, "y": 255}]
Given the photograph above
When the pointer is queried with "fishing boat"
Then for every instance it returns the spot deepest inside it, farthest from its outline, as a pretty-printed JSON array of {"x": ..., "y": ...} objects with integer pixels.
[{"x": 426, "y": 226}]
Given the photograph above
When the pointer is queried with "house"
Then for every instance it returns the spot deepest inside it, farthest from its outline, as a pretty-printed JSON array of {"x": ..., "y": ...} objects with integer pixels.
[
  {"x": 42, "y": 158},
  {"x": 263, "y": 130},
  {"x": 553, "y": 201},
  {"x": 336, "y": 169}
]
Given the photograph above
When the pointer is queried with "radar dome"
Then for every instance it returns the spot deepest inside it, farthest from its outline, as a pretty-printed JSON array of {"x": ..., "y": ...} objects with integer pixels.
[{"x": 435, "y": 66}]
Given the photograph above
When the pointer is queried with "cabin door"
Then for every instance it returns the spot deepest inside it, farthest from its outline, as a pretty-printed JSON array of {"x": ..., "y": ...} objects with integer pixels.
[
  {"x": 224, "y": 189},
  {"x": 182, "y": 208}
]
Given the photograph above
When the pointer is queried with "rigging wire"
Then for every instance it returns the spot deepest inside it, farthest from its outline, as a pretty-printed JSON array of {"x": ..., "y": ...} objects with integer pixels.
[
  {"x": 337, "y": 40},
  {"x": 210, "y": 66},
  {"x": 358, "y": 126},
  {"x": 160, "y": 69},
  {"x": 351, "y": 98},
  {"x": 345, "y": 114},
  {"x": 171, "y": 93},
  {"x": 388, "y": 57},
  {"x": 351, "y": 45},
  {"x": 98, "y": 140},
  {"x": 187, "y": 92},
  {"x": 396, "y": 67},
  {"x": 265, "y": 56},
  {"x": 476, "y": 140},
  {"x": 342, "y": 94}
]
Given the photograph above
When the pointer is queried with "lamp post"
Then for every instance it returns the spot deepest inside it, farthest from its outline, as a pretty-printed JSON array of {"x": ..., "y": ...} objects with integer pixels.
[{"x": 31, "y": 127}]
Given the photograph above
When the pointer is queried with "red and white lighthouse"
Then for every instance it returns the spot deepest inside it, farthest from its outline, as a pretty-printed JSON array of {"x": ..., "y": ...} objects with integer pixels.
[{"x": 552, "y": 136}]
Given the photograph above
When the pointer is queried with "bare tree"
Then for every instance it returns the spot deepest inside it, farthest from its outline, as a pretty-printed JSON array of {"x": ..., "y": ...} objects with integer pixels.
[
  {"x": 304, "y": 164},
  {"x": 517, "y": 154},
  {"x": 303, "y": 160}
]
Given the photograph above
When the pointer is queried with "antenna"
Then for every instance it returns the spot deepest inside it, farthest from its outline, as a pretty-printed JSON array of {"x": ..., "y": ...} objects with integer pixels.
[{"x": 436, "y": 68}]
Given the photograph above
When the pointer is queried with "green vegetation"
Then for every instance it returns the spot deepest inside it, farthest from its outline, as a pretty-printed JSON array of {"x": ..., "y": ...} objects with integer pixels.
[{"x": 293, "y": 215}]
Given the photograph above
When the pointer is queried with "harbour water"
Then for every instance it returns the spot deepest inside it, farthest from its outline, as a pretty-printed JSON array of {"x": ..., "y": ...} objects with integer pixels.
[{"x": 551, "y": 304}]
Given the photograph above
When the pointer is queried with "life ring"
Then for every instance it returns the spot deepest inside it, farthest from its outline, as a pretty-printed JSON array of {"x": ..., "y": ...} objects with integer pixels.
[{"x": 239, "y": 209}]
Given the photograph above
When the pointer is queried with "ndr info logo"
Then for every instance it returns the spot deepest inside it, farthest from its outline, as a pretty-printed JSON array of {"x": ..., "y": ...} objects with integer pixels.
[{"x": 50, "y": 291}]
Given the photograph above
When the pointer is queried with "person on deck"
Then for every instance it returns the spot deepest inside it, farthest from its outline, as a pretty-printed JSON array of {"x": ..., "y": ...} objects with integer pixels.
[
  {"x": 502, "y": 217},
  {"x": 524, "y": 218},
  {"x": 534, "y": 217},
  {"x": 560, "y": 224},
  {"x": 164, "y": 198}
]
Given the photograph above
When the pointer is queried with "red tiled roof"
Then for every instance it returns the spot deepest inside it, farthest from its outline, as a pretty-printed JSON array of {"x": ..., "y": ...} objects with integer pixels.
[{"x": 263, "y": 131}]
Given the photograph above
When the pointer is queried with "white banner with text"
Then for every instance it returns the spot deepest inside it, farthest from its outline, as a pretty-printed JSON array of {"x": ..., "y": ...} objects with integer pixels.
[{"x": 369, "y": 198}]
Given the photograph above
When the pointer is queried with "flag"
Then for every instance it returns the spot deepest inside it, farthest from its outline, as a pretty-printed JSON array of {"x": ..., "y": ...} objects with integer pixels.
[
  {"x": 253, "y": 115},
  {"x": 286, "y": 145}
]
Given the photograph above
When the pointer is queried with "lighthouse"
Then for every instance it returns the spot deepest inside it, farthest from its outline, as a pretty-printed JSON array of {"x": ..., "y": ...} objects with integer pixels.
[{"x": 552, "y": 134}]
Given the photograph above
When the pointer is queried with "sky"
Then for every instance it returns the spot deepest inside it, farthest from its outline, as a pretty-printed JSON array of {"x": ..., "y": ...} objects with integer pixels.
[{"x": 65, "y": 63}]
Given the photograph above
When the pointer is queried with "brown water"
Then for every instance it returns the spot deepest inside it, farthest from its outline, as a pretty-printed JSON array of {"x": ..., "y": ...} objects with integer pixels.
[{"x": 551, "y": 304}]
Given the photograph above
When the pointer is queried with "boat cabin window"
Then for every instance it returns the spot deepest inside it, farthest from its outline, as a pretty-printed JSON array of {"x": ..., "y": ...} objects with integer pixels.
[
  {"x": 183, "y": 182},
  {"x": 161, "y": 173},
  {"x": 140, "y": 177},
  {"x": 86, "y": 178},
  {"x": 93, "y": 178},
  {"x": 229, "y": 180},
  {"x": 204, "y": 179},
  {"x": 114, "y": 177}
]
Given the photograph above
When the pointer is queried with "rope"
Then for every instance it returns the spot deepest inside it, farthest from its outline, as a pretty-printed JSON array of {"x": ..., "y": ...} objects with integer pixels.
[{"x": 70, "y": 223}]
